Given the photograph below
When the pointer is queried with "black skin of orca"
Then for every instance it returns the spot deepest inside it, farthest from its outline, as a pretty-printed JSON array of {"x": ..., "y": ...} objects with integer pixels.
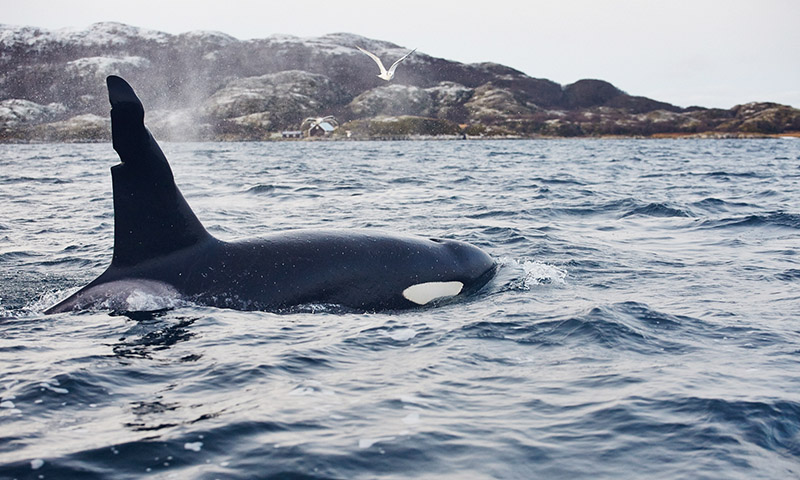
[{"x": 160, "y": 246}]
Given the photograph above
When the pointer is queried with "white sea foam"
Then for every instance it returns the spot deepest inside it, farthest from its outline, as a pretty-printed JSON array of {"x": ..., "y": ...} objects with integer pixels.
[
  {"x": 53, "y": 388},
  {"x": 193, "y": 446},
  {"x": 402, "y": 334},
  {"x": 411, "y": 419},
  {"x": 139, "y": 301},
  {"x": 368, "y": 442},
  {"x": 538, "y": 273},
  {"x": 523, "y": 275}
]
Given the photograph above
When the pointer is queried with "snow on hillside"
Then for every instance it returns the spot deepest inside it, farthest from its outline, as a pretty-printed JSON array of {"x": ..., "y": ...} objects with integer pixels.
[
  {"x": 101, "y": 67},
  {"x": 16, "y": 112},
  {"x": 98, "y": 34},
  {"x": 218, "y": 38},
  {"x": 216, "y": 86}
]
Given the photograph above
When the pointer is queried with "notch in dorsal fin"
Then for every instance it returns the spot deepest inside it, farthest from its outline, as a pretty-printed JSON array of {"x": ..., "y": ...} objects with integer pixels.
[{"x": 151, "y": 217}]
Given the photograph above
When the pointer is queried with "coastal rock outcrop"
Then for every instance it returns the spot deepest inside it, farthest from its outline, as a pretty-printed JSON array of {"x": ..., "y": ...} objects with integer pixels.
[
  {"x": 393, "y": 99},
  {"x": 211, "y": 86},
  {"x": 273, "y": 101}
]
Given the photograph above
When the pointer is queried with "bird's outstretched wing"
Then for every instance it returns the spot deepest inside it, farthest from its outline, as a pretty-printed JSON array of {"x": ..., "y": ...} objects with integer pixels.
[
  {"x": 394, "y": 65},
  {"x": 377, "y": 60}
]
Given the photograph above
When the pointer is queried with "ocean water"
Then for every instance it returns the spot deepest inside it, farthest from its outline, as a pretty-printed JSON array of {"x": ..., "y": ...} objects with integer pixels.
[{"x": 643, "y": 323}]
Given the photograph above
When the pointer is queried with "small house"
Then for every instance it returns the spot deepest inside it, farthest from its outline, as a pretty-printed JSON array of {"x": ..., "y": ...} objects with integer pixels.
[{"x": 321, "y": 129}]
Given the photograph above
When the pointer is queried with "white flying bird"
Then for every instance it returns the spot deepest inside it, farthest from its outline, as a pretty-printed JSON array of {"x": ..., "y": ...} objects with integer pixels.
[{"x": 386, "y": 74}]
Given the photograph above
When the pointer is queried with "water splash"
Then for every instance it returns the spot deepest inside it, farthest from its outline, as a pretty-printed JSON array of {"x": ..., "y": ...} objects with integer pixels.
[{"x": 526, "y": 274}]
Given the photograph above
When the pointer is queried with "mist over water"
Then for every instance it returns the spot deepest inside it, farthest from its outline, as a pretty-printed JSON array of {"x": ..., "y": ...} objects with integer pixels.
[{"x": 642, "y": 324}]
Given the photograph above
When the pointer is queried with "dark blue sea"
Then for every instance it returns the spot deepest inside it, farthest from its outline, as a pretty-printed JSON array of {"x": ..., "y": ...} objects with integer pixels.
[{"x": 644, "y": 322}]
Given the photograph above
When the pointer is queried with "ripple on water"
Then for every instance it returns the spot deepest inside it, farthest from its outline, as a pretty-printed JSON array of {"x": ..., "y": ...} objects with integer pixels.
[{"x": 641, "y": 323}]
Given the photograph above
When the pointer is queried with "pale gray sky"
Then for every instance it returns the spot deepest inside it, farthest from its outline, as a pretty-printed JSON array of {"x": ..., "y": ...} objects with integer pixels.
[{"x": 714, "y": 53}]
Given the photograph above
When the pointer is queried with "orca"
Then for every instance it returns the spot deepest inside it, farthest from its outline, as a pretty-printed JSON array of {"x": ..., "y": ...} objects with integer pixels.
[{"x": 162, "y": 250}]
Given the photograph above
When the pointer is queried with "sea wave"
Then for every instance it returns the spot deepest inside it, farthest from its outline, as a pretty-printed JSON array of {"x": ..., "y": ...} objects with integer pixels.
[{"x": 641, "y": 323}]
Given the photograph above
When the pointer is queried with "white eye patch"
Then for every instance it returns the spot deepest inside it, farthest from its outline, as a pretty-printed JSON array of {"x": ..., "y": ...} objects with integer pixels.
[{"x": 424, "y": 293}]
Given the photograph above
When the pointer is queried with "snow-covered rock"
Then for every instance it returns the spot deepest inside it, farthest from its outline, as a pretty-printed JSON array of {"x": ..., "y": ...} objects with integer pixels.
[
  {"x": 450, "y": 93},
  {"x": 103, "y": 34},
  {"x": 221, "y": 87},
  {"x": 81, "y": 128},
  {"x": 98, "y": 68},
  {"x": 285, "y": 98},
  {"x": 489, "y": 103},
  {"x": 16, "y": 112},
  {"x": 393, "y": 100},
  {"x": 212, "y": 38}
]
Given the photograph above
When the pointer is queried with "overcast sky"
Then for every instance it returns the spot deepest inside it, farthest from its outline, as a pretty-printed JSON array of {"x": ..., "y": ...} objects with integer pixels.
[{"x": 714, "y": 53}]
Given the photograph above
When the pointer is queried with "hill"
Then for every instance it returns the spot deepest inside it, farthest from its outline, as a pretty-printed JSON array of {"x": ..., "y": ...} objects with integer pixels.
[{"x": 211, "y": 86}]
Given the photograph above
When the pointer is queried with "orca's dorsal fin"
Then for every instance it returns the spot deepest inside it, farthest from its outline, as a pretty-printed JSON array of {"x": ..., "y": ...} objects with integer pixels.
[{"x": 151, "y": 217}]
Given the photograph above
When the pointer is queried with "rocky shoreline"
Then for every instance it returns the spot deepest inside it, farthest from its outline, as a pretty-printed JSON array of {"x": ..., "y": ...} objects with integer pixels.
[{"x": 208, "y": 86}]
